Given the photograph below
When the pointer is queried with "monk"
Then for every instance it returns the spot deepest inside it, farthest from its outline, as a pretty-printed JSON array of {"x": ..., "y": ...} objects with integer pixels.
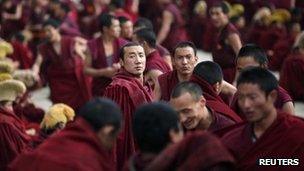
[
  {"x": 188, "y": 100},
  {"x": 164, "y": 129},
  {"x": 128, "y": 90},
  {"x": 62, "y": 64},
  {"x": 102, "y": 63},
  {"x": 13, "y": 138},
  {"x": 292, "y": 70},
  {"x": 172, "y": 29},
  {"x": 269, "y": 134},
  {"x": 83, "y": 145},
  {"x": 184, "y": 60},
  {"x": 208, "y": 75},
  {"x": 126, "y": 27},
  {"x": 197, "y": 151},
  {"x": 253, "y": 55},
  {"x": 228, "y": 41},
  {"x": 155, "y": 64}
]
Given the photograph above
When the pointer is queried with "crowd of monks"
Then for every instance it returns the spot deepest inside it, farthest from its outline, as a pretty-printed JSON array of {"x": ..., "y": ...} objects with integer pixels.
[{"x": 129, "y": 92}]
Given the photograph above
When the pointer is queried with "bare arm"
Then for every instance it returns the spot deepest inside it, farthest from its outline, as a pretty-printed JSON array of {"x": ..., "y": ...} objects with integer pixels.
[
  {"x": 152, "y": 78},
  {"x": 168, "y": 60},
  {"x": 228, "y": 88},
  {"x": 167, "y": 20},
  {"x": 289, "y": 108},
  {"x": 16, "y": 16},
  {"x": 235, "y": 41}
]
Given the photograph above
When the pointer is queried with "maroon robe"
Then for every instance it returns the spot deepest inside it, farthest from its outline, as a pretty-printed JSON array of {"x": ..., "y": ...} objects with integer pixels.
[
  {"x": 13, "y": 139},
  {"x": 197, "y": 151},
  {"x": 167, "y": 83},
  {"x": 214, "y": 101},
  {"x": 291, "y": 77},
  {"x": 223, "y": 53},
  {"x": 58, "y": 152},
  {"x": 128, "y": 93},
  {"x": 283, "y": 97},
  {"x": 156, "y": 62},
  {"x": 99, "y": 61},
  {"x": 177, "y": 31},
  {"x": 139, "y": 161},
  {"x": 162, "y": 51},
  {"x": 22, "y": 54},
  {"x": 271, "y": 36},
  {"x": 219, "y": 122},
  {"x": 65, "y": 75},
  {"x": 282, "y": 140}
]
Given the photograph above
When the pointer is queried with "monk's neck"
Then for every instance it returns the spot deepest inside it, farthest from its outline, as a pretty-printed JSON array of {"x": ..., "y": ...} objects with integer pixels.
[
  {"x": 261, "y": 126},
  {"x": 107, "y": 39},
  {"x": 205, "y": 122},
  {"x": 182, "y": 78}
]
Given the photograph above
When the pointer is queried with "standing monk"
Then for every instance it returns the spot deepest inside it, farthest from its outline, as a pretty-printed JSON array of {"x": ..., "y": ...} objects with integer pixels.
[
  {"x": 228, "y": 41},
  {"x": 184, "y": 60},
  {"x": 83, "y": 145},
  {"x": 128, "y": 91},
  {"x": 252, "y": 55},
  {"x": 102, "y": 63},
  {"x": 268, "y": 134},
  {"x": 62, "y": 64}
]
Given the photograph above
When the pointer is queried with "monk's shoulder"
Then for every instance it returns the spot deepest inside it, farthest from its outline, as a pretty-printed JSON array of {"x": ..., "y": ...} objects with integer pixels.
[{"x": 232, "y": 133}]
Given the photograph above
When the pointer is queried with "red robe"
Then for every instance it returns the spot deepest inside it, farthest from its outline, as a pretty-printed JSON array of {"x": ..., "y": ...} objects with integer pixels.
[
  {"x": 77, "y": 147},
  {"x": 99, "y": 61},
  {"x": 22, "y": 54},
  {"x": 282, "y": 140},
  {"x": 128, "y": 93},
  {"x": 13, "y": 139},
  {"x": 197, "y": 151},
  {"x": 162, "y": 51},
  {"x": 167, "y": 82},
  {"x": 214, "y": 101},
  {"x": 282, "y": 98},
  {"x": 156, "y": 62},
  {"x": 223, "y": 53},
  {"x": 291, "y": 77},
  {"x": 65, "y": 75},
  {"x": 138, "y": 161}
]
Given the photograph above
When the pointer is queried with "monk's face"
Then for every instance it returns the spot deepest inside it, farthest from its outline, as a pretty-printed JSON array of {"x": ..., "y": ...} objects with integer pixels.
[
  {"x": 254, "y": 102},
  {"x": 189, "y": 110},
  {"x": 218, "y": 17},
  {"x": 245, "y": 62},
  {"x": 127, "y": 30},
  {"x": 184, "y": 60},
  {"x": 51, "y": 33},
  {"x": 114, "y": 29},
  {"x": 134, "y": 60}
]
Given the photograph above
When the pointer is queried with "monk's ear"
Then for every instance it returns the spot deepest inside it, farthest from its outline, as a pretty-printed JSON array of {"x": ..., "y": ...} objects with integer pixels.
[
  {"x": 196, "y": 59},
  {"x": 121, "y": 62},
  {"x": 176, "y": 135},
  {"x": 203, "y": 100},
  {"x": 273, "y": 95}
]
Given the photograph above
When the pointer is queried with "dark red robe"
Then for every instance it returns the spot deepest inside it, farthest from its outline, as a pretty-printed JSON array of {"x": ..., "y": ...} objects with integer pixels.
[
  {"x": 282, "y": 98},
  {"x": 99, "y": 61},
  {"x": 282, "y": 140},
  {"x": 22, "y": 54},
  {"x": 223, "y": 53},
  {"x": 129, "y": 93},
  {"x": 77, "y": 147},
  {"x": 65, "y": 75},
  {"x": 13, "y": 139},
  {"x": 167, "y": 83},
  {"x": 291, "y": 76},
  {"x": 162, "y": 51},
  {"x": 197, "y": 151},
  {"x": 138, "y": 161},
  {"x": 156, "y": 62},
  {"x": 214, "y": 101}
]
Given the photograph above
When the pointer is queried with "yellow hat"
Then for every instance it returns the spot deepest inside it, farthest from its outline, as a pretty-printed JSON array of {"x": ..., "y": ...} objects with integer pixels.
[
  {"x": 5, "y": 49},
  {"x": 6, "y": 66},
  {"x": 10, "y": 89},
  {"x": 56, "y": 114},
  {"x": 262, "y": 14},
  {"x": 280, "y": 15},
  {"x": 200, "y": 8},
  {"x": 26, "y": 76},
  {"x": 236, "y": 10},
  {"x": 5, "y": 76}
]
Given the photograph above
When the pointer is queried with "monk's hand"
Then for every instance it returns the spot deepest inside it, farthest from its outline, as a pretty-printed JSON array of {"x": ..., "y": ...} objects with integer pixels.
[
  {"x": 80, "y": 47},
  {"x": 110, "y": 72},
  {"x": 116, "y": 66}
]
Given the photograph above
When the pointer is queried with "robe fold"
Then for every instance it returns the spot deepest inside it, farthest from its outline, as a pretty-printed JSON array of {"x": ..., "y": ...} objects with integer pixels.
[
  {"x": 167, "y": 82},
  {"x": 282, "y": 98},
  {"x": 156, "y": 62},
  {"x": 291, "y": 76},
  {"x": 223, "y": 53},
  {"x": 22, "y": 54},
  {"x": 13, "y": 139},
  {"x": 64, "y": 73},
  {"x": 77, "y": 147},
  {"x": 197, "y": 151},
  {"x": 213, "y": 100},
  {"x": 282, "y": 140},
  {"x": 129, "y": 93},
  {"x": 99, "y": 61}
]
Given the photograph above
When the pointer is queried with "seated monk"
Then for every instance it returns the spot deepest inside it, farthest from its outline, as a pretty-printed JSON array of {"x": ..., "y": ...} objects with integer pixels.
[
  {"x": 83, "y": 145},
  {"x": 268, "y": 134}
]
